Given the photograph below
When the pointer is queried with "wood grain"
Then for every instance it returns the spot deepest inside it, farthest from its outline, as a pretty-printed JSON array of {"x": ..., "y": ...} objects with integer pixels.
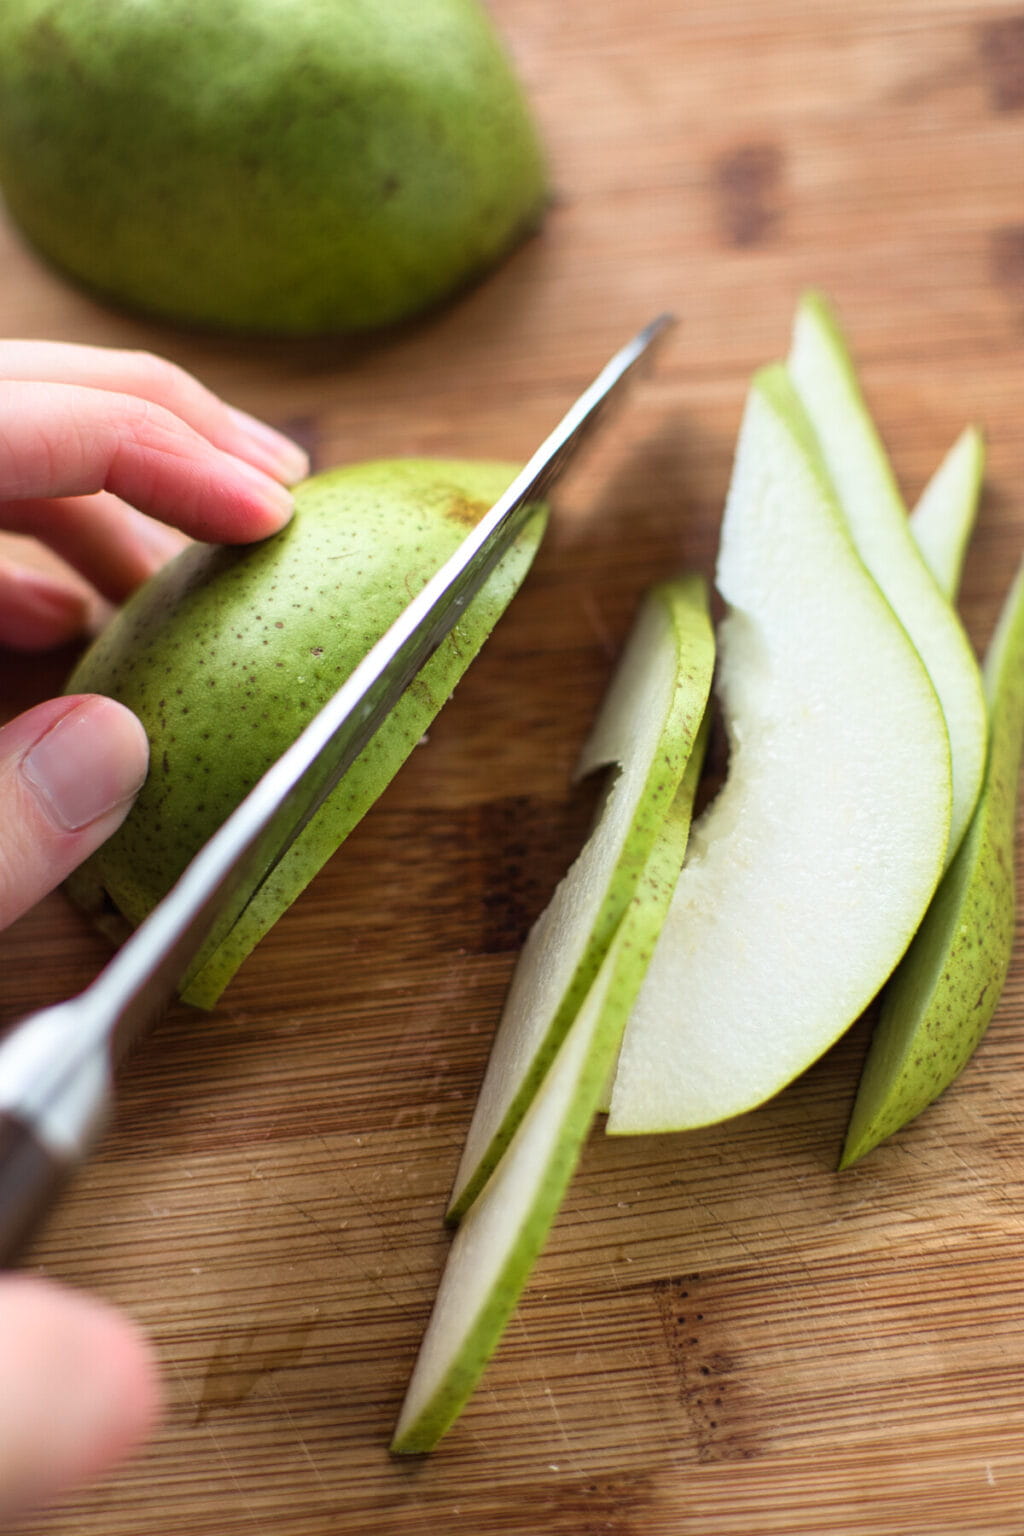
[{"x": 724, "y": 1335}]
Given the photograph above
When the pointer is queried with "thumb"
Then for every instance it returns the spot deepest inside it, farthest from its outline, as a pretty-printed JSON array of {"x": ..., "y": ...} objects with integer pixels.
[{"x": 69, "y": 770}]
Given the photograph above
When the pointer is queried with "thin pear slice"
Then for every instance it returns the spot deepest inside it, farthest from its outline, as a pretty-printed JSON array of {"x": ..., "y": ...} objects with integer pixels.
[
  {"x": 504, "y": 1230},
  {"x": 943, "y": 519},
  {"x": 654, "y": 895},
  {"x": 823, "y": 372},
  {"x": 647, "y": 724},
  {"x": 809, "y": 873},
  {"x": 502, "y": 1234},
  {"x": 942, "y": 998}
]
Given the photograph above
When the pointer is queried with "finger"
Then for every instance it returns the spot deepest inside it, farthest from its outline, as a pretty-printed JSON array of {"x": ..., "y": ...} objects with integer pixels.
[
  {"x": 38, "y": 610},
  {"x": 69, "y": 770},
  {"x": 153, "y": 378},
  {"x": 66, "y": 440},
  {"x": 78, "y": 1391},
  {"x": 108, "y": 542}
]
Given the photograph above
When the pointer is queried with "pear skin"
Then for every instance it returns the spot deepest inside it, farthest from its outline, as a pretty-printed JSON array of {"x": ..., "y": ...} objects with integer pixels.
[{"x": 227, "y": 652}]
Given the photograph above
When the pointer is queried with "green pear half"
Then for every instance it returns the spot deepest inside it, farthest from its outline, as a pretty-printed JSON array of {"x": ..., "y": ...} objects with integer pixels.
[
  {"x": 943, "y": 519},
  {"x": 227, "y": 652},
  {"x": 504, "y": 1230},
  {"x": 646, "y": 730},
  {"x": 940, "y": 1001},
  {"x": 808, "y": 874},
  {"x": 267, "y": 166},
  {"x": 823, "y": 373}
]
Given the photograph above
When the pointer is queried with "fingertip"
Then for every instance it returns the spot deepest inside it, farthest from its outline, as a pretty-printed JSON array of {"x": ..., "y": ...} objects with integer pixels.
[
  {"x": 268, "y": 449},
  {"x": 69, "y": 770},
  {"x": 125, "y": 1400},
  {"x": 81, "y": 1390},
  {"x": 259, "y": 507}
]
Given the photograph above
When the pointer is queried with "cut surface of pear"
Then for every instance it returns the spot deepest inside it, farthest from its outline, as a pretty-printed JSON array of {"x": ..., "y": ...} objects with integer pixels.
[
  {"x": 945, "y": 513},
  {"x": 807, "y": 876},
  {"x": 939, "y": 1003},
  {"x": 227, "y": 652},
  {"x": 823, "y": 373},
  {"x": 504, "y": 1230},
  {"x": 647, "y": 727}
]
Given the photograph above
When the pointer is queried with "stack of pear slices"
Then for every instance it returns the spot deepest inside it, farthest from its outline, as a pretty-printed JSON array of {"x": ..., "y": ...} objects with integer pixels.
[{"x": 861, "y": 844}]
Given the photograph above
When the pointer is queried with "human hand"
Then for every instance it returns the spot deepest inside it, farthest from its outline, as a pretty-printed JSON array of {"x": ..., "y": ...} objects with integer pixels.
[{"x": 99, "y": 452}]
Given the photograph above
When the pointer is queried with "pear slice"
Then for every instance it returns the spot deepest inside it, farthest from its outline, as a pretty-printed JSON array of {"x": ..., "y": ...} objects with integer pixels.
[
  {"x": 807, "y": 876},
  {"x": 943, "y": 519},
  {"x": 504, "y": 1230},
  {"x": 823, "y": 373},
  {"x": 647, "y": 724},
  {"x": 941, "y": 999}
]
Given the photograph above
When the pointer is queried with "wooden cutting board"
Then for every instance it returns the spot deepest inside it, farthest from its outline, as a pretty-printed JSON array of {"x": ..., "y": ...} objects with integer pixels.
[{"x": 724, "y": 1335}]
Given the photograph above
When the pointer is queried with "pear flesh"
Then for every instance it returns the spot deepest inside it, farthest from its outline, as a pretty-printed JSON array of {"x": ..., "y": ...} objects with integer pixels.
[
  {"x": 944, "y": 517},
  {"x": 824, "y": 376},
  {"x": 809, "y": 873},
  {"x": 266, "y": 166},
  {"x": 941, "y": 1000},
  {"x": 227, "y": 652},
  {"x": 646, "y": 729},
  {"x": 504, "y": 1230}
]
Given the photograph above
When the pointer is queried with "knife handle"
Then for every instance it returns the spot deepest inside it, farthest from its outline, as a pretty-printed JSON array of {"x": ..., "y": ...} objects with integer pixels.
[{"x": 31, "y": 1178}]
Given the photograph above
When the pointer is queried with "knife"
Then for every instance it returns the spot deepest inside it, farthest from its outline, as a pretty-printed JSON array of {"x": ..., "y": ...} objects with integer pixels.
[{"x": 57, "y": 1065}]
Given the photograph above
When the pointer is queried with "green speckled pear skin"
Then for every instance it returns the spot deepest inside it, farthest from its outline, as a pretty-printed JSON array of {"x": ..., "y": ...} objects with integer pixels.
[
  {"x": 945, "y": 991},
  {"x": 227, "y": 652},
  {"x": 290, "y": 167}
]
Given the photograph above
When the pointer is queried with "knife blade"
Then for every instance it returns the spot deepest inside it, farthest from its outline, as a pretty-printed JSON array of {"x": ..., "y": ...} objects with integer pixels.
[{"x": 57, "y": 1065}]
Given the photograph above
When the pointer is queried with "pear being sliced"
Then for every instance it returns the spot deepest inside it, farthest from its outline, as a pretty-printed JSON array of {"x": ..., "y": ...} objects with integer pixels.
[
  {"x": 943, "y": 518},
  {"x": 226, "y": 653},
  {"x": 823, "y": 374},
  {"x": 504, "y": 1230},
  {"x": 942, "y": 997},
  {"x": 809, "y": 873},
  {"x": 647, "y": 724}
]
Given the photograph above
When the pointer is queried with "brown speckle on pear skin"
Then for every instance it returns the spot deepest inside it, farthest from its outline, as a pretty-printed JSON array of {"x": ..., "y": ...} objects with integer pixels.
[{"x": 466, "y": 512}]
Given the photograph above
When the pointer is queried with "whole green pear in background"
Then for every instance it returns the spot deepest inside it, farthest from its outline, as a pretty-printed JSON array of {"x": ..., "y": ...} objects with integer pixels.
[
  {"x": 228, "y": 651},
  {"x": 269, "y": 166}
]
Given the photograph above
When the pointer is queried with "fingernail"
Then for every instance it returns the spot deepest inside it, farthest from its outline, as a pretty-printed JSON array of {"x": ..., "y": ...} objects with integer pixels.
[
  {"x": 277, "y": 453},
  {"x": 89, "y": 762},
  {"x": 275, "y": 497}
]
